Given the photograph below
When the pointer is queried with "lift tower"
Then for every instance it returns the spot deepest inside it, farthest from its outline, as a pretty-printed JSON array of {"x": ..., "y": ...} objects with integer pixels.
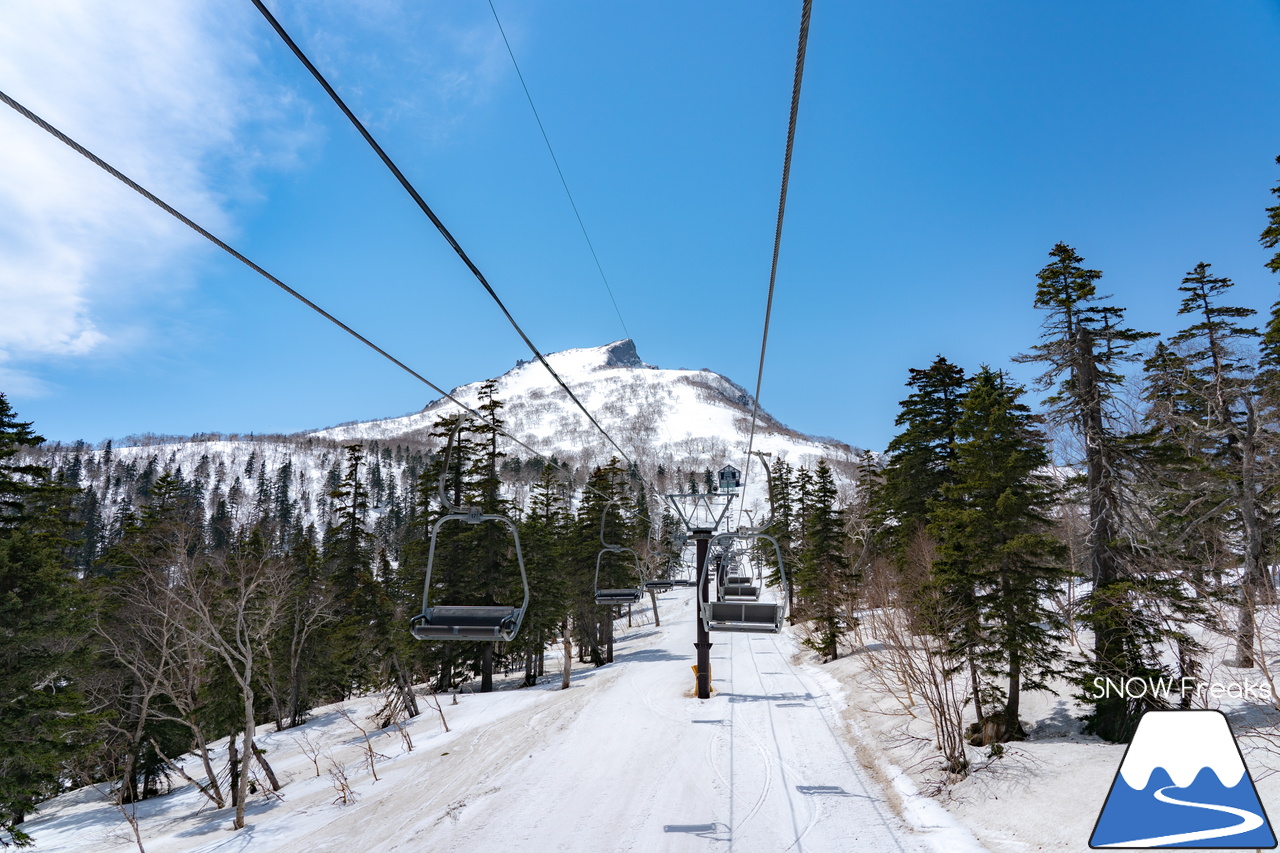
[{"x": 702, "y": 515}]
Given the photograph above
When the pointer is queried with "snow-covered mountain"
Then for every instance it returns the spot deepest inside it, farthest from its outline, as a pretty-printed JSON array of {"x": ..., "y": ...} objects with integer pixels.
[{"x": 680, "y": 419}]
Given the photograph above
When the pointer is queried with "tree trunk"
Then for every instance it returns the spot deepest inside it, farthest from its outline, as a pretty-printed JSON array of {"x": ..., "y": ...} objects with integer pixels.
[
  {"x": 1256, "y": 587},
  {"x": 653, "y": 599},
  {"x": 247, "y": 747},
  {"x": 976, "y": 685},
  {"x": 233, "y": 769},
  {"x": 403, "y": 685},
  {"x": 445, "y": 684},
  {"x": 266, "y": 768},
  {"x": 486, "y": 669},
  {"x": 568, "y": 657}
]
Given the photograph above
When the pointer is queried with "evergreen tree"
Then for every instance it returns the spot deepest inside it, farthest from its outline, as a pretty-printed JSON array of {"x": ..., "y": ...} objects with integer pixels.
[
  {"x": 43, "y": 722},
  {"x": 823, "y": 576},
  {"x": 1204, "y": 401},
  {"x": 362, "y": 609},
  {"x": 1269, "y": 373},
  {"x": 595, "y": 622},
  {"x": 1084, "y": 346},
  {"x": 1270, "y": 237},
  {"x": 996, "y": 556},
  {"x": 921, "y": 457},
  {"x": 543, "y": 532}
]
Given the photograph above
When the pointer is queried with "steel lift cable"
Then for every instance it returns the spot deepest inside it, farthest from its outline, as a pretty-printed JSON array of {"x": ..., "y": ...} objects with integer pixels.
[
  {"x": 147, "y": 194},
  {"x": 422, "y": 204},
  {"x": 559, "y": 172},
  {"x": 777, "y": 234}
]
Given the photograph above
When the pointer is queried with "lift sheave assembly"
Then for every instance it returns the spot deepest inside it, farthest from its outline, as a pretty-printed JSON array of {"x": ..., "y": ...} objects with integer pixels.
[{"x": 498, "y": 623}]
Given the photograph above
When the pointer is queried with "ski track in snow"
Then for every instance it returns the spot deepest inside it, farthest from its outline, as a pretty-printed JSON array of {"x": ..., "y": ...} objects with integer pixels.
[{"x": 626, "y": 760}]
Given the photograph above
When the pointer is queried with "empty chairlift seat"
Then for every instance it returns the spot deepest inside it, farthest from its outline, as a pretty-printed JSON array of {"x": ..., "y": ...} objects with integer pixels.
[
  {"x": 739, "y": 588},
  {"x": 459, "y": 622},
  {"x": 746, "y": 616},
  {"x": 742, "y": 611},
  {"x": 618, "y": 596}
]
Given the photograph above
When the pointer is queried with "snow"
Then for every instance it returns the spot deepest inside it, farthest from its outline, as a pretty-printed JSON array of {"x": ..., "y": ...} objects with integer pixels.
[
  {"x": 625, "y": 760},
  {"x": 694, "y": 419}
]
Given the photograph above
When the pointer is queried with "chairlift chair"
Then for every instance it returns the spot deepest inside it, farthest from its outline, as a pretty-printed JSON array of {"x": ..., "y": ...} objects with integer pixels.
[
  {"x": 748, "y": 616},
  {"x": 629, "y": 595},
  {"x": 737, "y": 586},
  {"x": 686, "y": 579},
  {"x": 660, "y": 584},
  {"x": 495, "y": 623}
]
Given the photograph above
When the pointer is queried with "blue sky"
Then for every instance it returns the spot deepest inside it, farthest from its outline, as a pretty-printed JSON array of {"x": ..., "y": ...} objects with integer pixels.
[{"x": 942, "y": 150}]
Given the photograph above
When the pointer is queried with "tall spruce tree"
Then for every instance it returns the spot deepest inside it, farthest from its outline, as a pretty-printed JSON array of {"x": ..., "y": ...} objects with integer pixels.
[
  {"x": 921, "y": 457},
  {"x": 1269, "y": 366},
  {"x": 1270, "y": 237},
  {"x": 543, "y": 531},
  {"x": 1213, "y": 414},
  {"x": 1085, "y": 345},
  {"x": 43, "y": 722},
  {"x": 824, "y": 578},
  {"x": 997, "y": 557},
  {"x": 362, "y": 609}
]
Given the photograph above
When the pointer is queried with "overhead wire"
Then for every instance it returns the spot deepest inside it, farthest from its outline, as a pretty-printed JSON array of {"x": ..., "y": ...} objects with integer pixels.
[
  {"x": 777, "y": 234},
  {"x": 564, "y": 183},
  {"x": 426, "y": 209},
  {"x": 185, "y": 220}
]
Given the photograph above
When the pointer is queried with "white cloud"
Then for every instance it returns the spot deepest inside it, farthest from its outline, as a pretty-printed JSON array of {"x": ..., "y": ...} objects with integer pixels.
[
  {"x": 163, "y": 90},
  {"x": 434, "y": 60}
]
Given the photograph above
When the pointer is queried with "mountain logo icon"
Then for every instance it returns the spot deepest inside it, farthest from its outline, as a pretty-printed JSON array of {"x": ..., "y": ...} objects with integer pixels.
[{"x": 1183, "y": 783}]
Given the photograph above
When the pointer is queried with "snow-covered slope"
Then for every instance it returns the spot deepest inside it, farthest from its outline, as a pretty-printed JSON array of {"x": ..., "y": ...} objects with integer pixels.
[{"x": 625, "y": 760}]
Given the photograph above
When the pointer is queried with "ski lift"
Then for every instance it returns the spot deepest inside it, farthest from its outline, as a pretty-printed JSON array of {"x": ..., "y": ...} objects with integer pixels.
[
  {"x": 739, "y": 587},
  {"x": 675, "y": 559},
  {"x": 750, "y": 616},
  {"x": 497, "y": 623},
  {"x": 629, "y": 595},
  {"x": 731, "y": 583}
]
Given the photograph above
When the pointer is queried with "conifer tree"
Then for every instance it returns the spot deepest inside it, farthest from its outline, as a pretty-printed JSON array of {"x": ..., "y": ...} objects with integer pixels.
[
  {"x": 617, "y": 571},
  {"x": 996, "y": 556},
  {"x": 1270, "y": 237},
  {"x": 361, "y": 608},
  {"x": 543, "y": 531},
  {"x": 782, "y": 521},
  {"x": 1269, "y": 372},
  {"x": 43, "y": 723},
  {"x": 823, "y": 575},
  {"x": 1212, "y": 413},
  {"x": 921, "y": 457},
  {"x": 1084, "y": 347}
]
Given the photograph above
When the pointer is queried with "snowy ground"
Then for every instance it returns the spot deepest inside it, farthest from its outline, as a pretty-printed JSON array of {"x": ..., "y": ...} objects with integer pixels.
[
  {"x": 1045, "y": 793},
  {"x": 625, "y": 760}
]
